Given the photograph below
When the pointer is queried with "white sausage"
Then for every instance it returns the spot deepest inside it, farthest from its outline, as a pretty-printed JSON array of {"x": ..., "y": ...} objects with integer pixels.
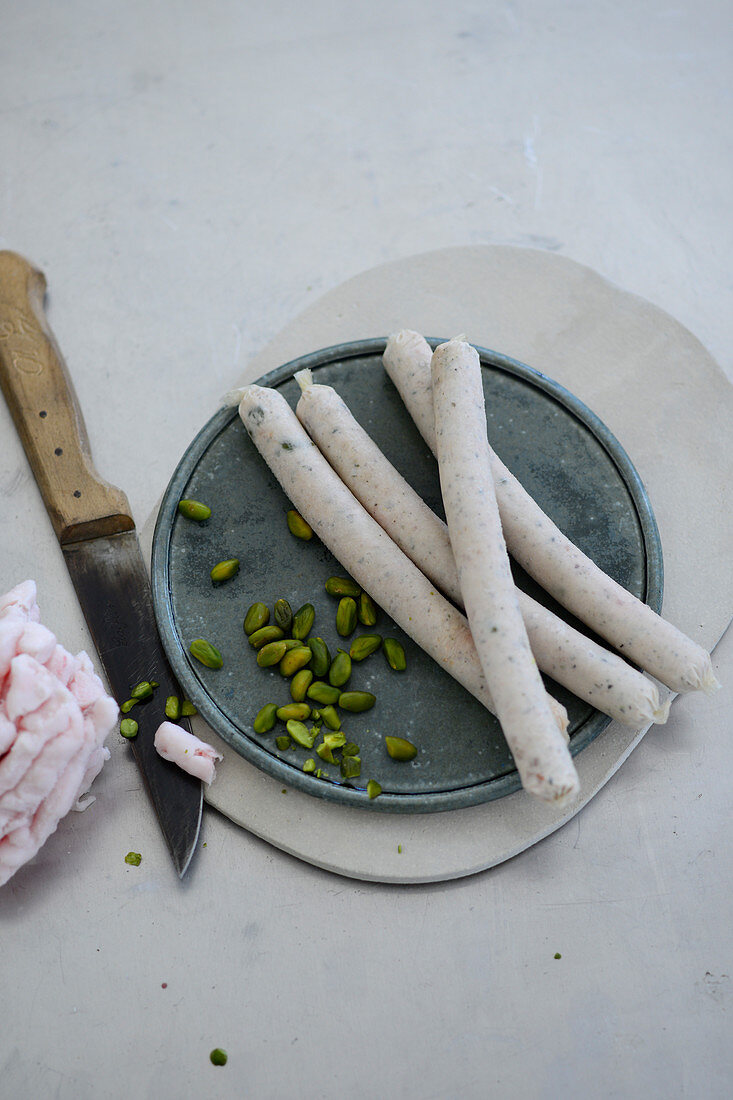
[
  {"x": 361, "y": 545},
  {"x": 588, "y": 670},
  {"x": 540, "y": 753},
  {"x": 563, "y": 570}
]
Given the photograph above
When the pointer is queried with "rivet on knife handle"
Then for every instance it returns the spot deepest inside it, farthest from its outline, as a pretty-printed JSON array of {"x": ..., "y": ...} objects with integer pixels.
[{"x": 43, "y": 405}]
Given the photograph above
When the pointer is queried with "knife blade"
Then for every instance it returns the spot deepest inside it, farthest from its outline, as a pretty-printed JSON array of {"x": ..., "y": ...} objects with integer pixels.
[{"x": 96, "y": 532}]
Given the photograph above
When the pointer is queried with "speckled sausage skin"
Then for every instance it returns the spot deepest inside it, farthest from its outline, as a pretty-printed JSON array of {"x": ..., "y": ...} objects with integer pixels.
[
  {"x": 587, "y": 669},
  {"x": 628, "y": 624},
  {"x": 540, "y": 753},
  {"x": 360, "y": 544}
]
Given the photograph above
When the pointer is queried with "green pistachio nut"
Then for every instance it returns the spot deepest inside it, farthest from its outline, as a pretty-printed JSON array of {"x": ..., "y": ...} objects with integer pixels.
[
  {"x": 194, "y": 509},
  {"x": 367, "y": 610},
  {"x": 206, "y": 653},
  {"x": 188, "y": 709},
  {"x": 294, "y": 660},
  {"x": 225, "y": 570},
  {"x": 346, "y": 616},
  {"x": 128, "y": 705},
  {"x": 321, "y": 657},
  {"x": 258, "y": 615},
  {"x": 283, "y": 742},
  {"x": 321, "y": 692},
  {"x": 299, "y": 684},
  {"x": 283, "y": 615},
  {"x": 298, "y": 526},
  {"x": 335, "y": 740},
  {"x": 400, "y": 749},
  {"x": 271, "y": 654},
  {"x": 265, "y": 635},
  {"x": 299, "y": 711},
  {"x": 356, "y": 701},
  {"x": 303, "y": 620},
  {"x": 343, "y": 586},
  {"x": 266, "y": 718},
  {"x": 363, "y": 646},
  {"x": 395, "y": 654},
  {"x": 128, "y": 728},
  {"x": 340, "y": 669}
]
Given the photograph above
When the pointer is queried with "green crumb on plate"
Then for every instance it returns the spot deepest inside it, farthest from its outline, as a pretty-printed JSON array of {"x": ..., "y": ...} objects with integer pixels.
[
  {"x": 133, "y": 858},
  {"x": 557, "y": 955},
  {"x": 218, "y": 1057}
]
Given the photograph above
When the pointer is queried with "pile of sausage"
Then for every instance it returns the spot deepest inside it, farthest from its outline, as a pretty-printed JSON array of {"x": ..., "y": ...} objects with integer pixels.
[
  {"x": 401, "y": 552},
  {"x": 54, "y": 719}
]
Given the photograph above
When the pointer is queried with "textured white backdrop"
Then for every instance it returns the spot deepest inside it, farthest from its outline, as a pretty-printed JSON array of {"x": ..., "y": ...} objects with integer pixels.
[{"x": 191, "y": 177}]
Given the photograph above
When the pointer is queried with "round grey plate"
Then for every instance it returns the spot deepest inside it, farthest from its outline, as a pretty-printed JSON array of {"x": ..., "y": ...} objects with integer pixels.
[{"x": 561, "y": 452}]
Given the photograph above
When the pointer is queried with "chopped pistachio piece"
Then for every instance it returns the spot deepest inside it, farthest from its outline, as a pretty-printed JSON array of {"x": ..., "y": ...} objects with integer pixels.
[
  {"x": 399, "y": 748},
  {"x": 325, "y": 753},
  {"x": 173, "y": 707},
  {"x": 300, "y": 733},
  {"x": 330, "y": 717},
  {"x": 128, "y": 728},
  {"x": 350, "y": 767}
]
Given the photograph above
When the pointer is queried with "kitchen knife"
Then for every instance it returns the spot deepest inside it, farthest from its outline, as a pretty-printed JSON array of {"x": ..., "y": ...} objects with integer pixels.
[{"x": 96, "y": 532}]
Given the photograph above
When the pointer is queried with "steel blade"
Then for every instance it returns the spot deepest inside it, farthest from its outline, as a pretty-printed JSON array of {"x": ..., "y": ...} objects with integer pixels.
[{"x": 113, "y": 589}]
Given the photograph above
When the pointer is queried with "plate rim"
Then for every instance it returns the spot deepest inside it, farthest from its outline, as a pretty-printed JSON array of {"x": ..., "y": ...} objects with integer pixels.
[{"x": 258, "y": 756}]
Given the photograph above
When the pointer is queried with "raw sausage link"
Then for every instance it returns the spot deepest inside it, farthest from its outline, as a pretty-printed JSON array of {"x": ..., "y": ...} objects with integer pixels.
[
  {"x": 542, "y": 757},
  {"x": 563, "y": 570},
  {"x": 361, "y": 545},
  {"x": 587, "y": 669}
]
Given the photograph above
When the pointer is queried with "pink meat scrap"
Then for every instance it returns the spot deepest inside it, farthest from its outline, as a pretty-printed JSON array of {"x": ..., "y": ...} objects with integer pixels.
[
  {"x": 54, "y": 719},
  {"x": 186, "y": 750}
]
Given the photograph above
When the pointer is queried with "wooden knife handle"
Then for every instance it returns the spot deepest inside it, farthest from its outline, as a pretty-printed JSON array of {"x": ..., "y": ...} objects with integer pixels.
[{"x": 41, "y": 397}]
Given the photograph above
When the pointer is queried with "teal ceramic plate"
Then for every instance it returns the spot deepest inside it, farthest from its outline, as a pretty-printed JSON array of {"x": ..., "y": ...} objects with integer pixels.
[{"x": 560, "y": 451}]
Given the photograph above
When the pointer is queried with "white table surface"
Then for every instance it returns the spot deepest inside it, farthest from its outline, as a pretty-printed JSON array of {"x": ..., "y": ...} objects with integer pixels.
[{"x": 189, "y": 178}]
